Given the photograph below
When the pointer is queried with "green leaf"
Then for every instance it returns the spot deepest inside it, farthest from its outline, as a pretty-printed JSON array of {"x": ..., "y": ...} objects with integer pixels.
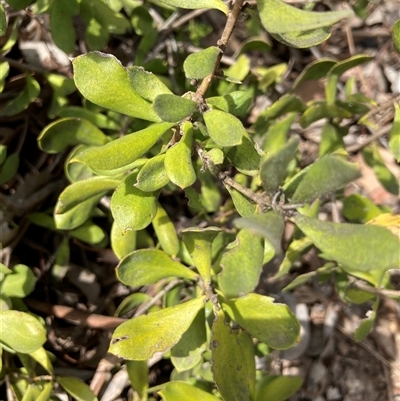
[
  {"x": 374, "y": 159},
  {"x": 80, "y": 191},
  {"x": 61, "y": 24},
  {"x": 182, "y": 391},
  {"x": 224, "y": 128},
  {"x": 366, "y": 324},
  {"x": 153, "y": 176},
  {"x": 286, "y": 104},
  {"x": 132, "y": 208},
  {"x": 394, "y": 135},
  {"x": 277, "y": 388},
  {"x": 45, "y": 394},
  {"x": 178, "y": 159},
  {"x": 96, "y": 118},
  {"x": 242, "y": 204},
  {"x": 26, "y": 336},
  {"x": 236, "y": 103},
  {"x": 147, "y": 266},
  {"x": 23, "y": 99},
  {"x": 165, "y": 231},
  {"x": 303, "y": 39},
  {"x": 138, "y": 373},
  {"x": 76, "y": 388},
  {"x": 273, "y": 324},
  {"x": 314, "y": 71},
  {"x": 269, "y": 225},
  {"x": 328, "y": 174},
  {"x": 19, "y": 4},
  {"x": 3, "y": 22},
  {"x": 244, "y": 157},
  {"x": 269, "y": 75},
  {"x": 141, "y": 337},
  {"x": 120, "y": 155},
  {"x": 359, "y": 209},
  {"x": 274, "y": 168},
  {"x": 198, "y": 242},
  {"x": 66, "y": 132},
  {"x": 187, "y": 353},
  {"x": 396, "y": 35},
  {"x": 104, "y": 81},
  {"x": 233, "y": 373},
  {"x": 9, "y": 168},
  {"x": 241, "y": 265},
  {"x": 357, "y": 248},
  {"x": 199, "y": 65},
  {"x": 337, "y": 70},
  {"x": 20, "y": 283},
  {"x": 173, "y": 108},
  {"x": 4, "y": 70},
  {"x": 195, "y": 4},
  {"x": 146, "y": 84},
  {"x": 112, "y": 21},
  {"x": 331, "y": 138},
  {"x": 321, "y": 109},
  {"x": 89, "y": 233},
  {"x": 42, "y": 357},
  {"x": 291, "y": 23},
  {"x": 122, "y": 243}
]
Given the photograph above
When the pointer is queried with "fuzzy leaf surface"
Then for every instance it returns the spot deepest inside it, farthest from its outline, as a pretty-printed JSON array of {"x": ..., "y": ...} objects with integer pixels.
[
  {"x": 173, "y": 108},
  {"x": 199, "y": 65}
]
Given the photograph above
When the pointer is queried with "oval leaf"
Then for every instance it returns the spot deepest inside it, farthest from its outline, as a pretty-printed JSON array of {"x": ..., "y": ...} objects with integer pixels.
[
  {"x": 147, "y": 266},
  {"x": 26, "y": 336},
  {"x": 273, "y": 324},
  {"x": 141, "y": 337},
  {"x": 173, "y": 108},
  {"x": 178, "y": 159},
  {"x": 132, "y": 208},
  {"x": 20, "y": 283},
  {"x": 153, "y": 176},
  {"x": 199, "y": 65},
  {"x": 101, "y": 79},
  {"x": 77, "y": 389},
  {"x": 224, "y": 128},
  {"x": 119, "y": 155},
  {"x": 122, "y": 243},
  {"x": 236, "y": 103},
  {"x": 181, "y": 391},
  {"x": 326, "y": 175},
  {"x": 194, "y": 4},
  {"x": 277, "y": 388}
]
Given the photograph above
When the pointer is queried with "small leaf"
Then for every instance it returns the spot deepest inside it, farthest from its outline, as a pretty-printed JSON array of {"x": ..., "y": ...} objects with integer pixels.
[
  {"x": 23, "y": 100},
  {"x": 89, "y": 233},
  {"x": 173, "y": 108},
  {"x": 242, "y": 204},
  {"x": 394, "y": 135},
  {"x": 181, "y": 391},
  {"x": 120, "y": 154},
  {"x": 152, "y": 176},
  {"x": 138, "y": 373},
  {"x": 102, "y": 80},
  {"x": 199, "y": 65},
  {"x": 274, "y": 168},
  {"x": 141, "y": 337},
  {"x": 224, "y": 128},
  {"x": 187, "y": 353},
  {"x": 4, "y": 70},
  {"x": 20, "y": 283},
  {"x": 96, "y": 118},
  {"x": 229, "y": 363},
  {"x": 132, "y": 208},
  {"x": 146, "y": 84},
  {"x": 195, "y": 4},
  {"x": 241, "y": 265},
  {"x": 366, "y": 324},
  {"x": 337, "y": 70},
  {"x": 178, "y": 159},
  {"x": 147, "y": 266},
  {"x": 396, "y": 35},
  {"x": 326, "y": 175},
  {"x": 286, "y": 104},
  {"x": 331, "y": 138},
  {"x": 42, "y": 357},
  {"x": 314, "y": 71},
  {"x": 273, "y": 324},
  {"x": 165, "y": 231},
  {"x": 359, "y": 209},
  {"x": 303, "y": 39},
  {"x": 122, "y": 243},
  {"x": 357, "y": 248},
  {"x": 9, "y": 168},
  {"x": 76, "y": 388},
  {"x": 277, "y": 388},
  {"x": 321, "y": 109},
  {"x": 236, "y": 103},
  {"x": 80, "y": 191},
  {"x": 26, "y": 336},
  {"x": 3, "y": 21},
  {"x": 198, "y": 242},
  {"x": 269, "y": 225}
]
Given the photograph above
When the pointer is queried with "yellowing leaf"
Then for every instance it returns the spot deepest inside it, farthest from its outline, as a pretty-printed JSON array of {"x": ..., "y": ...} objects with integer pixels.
[
  {"x": 141, "y": 337},
  {"x": 389, "y": 221}
]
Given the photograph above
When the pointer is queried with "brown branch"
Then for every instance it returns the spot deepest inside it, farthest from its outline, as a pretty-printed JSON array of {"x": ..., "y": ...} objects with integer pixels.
[{"x": 222, "y": 43}]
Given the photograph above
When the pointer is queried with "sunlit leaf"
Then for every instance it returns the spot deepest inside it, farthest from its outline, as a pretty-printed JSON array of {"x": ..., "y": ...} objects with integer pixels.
[
  {"x": 199, "y": 65},
  {"x": 76, "y": 388},
  {"x": 394, "y": 135},
  {"x": 153, "y": 176},
  {"x": 173, "y": 108},
  {"x": 194, "y": 4},
  {"x": 182, "y": 391},
  {"x": 277, "y": 388}
]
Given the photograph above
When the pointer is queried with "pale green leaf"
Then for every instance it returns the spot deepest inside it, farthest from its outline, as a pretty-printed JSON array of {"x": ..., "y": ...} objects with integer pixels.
[
  {"x": 141, "y": 337},
  {"x": 359, "y": 209},
  {"x": 366, "y": 324},
  {"x": 316, "y": 70},
  {"x": 182, "y": 391},
  {"x": 199, "y": 65},
  {"x": 236, "y": 102},
  {"x": 273, "y": 324},
  {"x": 122, "y": 243},
  {"x": 147, "y": 266},
  {"x": 286, "y": 104},
  {"x": 26, "y": 336},
  {"x": 96, "y": 118},
  {"x": 173, "y": 108},
  {"x": 20, "y": 283},
  {"x": 317, "y": 110},
  {"x": 121, "y": 154},
  {"x": 42, "y": 357},
  {"x": 89, "y": 233},
  {"x": 394, "y": 135},
  {"x": 178, "y": 159},
  {"x": 326, "y": 175},
  {"x": 241, "y": 265},
  {"x": 4, "y": 70},
  {"x": 195, "y": 4},
  {"x": 104, "y": 81},
  {"x": 132, "y": 208},
  {"x": 76, "y": 388},
  {"x": 153, "y": 176},
  {"x": 224, "y": 128},
  {"x": 277, "y": 388}
]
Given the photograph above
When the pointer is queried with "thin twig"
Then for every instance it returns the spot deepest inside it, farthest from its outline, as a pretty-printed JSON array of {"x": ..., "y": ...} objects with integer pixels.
[
  {"x": 358, "y": 146},
  {"x": 375, "y": 291}
]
